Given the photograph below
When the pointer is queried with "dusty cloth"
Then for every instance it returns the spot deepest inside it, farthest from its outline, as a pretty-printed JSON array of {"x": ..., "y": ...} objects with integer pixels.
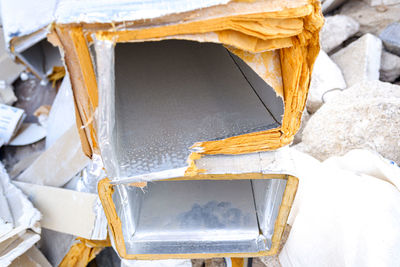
[{"x": 346, "y": 212}]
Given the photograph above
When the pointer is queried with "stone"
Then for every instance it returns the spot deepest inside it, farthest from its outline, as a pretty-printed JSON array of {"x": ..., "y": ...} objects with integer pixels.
[
  {"x": 365, "y": 116},
  {"x": 382, "y": 2},
  {"x": 336, "y": 30},
  {"x": 390, "y": 67},
  {"x": 372, "y": 19},
  {"x": 390, "y": 37},
  {"x": 364, "y": 90},
  {"x": 326, "y": 76},
  {"x": 329, "y": 5},
  {"x": 360, "y": 60}
]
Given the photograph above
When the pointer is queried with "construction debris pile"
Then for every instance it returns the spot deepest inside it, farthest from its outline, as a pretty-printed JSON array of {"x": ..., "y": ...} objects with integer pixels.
[{"x": 210, "y": 133}]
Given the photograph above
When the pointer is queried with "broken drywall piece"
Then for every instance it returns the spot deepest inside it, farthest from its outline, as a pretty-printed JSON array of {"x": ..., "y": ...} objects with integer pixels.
[
  {"x": 360, "y": 60},
  {"x": 6, "y": 219},
  {"x": 16, "y": 246},
  {"x": 390, "y": 37},
  {"x": 20, "y": 209},
  {"x": 23, "y": 164},
  {"x": 19, "y": 221},
  {"x": 326, "y": 76},
  {"x": 10, "y": 120},
  {"x": 390, "y": 67},
  {"x": 336, "y": 30},
  {"x": 76, "y": 217},
  {"x": 28, "y": 133},
  {"x": 32, "y": 258},
  {"x": 57, "y": 165}
]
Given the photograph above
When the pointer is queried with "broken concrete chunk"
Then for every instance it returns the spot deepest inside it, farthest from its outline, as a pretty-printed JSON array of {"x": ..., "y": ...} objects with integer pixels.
[
  {"x": 381, "y": 2},
  {"x": 326, "y": 76},
  {"x": 336, "y": 30},
  {"x": 360, "y": 60},
  {"x": 366, "y": 115},
  {"x": 390, "y": 37},
  {"x": 372, "y": 19},
  {"x": 364, "y": 90},
  {"x": 390, "y": 67},
  {"x": 329, "y": 5}
]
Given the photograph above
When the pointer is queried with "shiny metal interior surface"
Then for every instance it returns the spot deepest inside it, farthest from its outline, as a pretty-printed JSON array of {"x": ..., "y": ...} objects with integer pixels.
[
  {"x": 171, "y": 94},
  {"x": 199, "y": 216}
]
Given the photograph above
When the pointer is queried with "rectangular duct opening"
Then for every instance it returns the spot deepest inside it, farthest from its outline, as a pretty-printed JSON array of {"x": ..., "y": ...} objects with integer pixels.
[
  {"x": 199, "y": 216},
  {"x": 171, "y": 94}
]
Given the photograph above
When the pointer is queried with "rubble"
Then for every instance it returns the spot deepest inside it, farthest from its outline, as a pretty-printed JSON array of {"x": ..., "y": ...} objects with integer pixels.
[
  {"x": 33, "y": 257},
  {"x": 329, "y": 5},
  {"x": 366, "y": 115},
  {"x": 77, "y": 216},
  {"x": 390, "y": 37},
  {"x": 19, "y": 221},
  {"x": 326, "y": 76},
  {"x": 390, "y": 67},
  {"x": 66, "y": 154},
  {"x": 382, "y": 2},
  {"x": 336, "y": 30},
  {"x": 360, "y": 60},
  {"x": 372, "y": 19}
]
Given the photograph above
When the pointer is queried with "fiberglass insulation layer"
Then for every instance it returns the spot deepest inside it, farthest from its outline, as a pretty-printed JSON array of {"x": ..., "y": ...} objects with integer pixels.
[{"x": 171, "y": 94}]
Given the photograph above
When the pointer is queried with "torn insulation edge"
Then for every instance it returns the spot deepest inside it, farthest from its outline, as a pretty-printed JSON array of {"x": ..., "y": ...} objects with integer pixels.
[
  {"x": 83, "y": 251},
  {"x": 192, "y": 170}
]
